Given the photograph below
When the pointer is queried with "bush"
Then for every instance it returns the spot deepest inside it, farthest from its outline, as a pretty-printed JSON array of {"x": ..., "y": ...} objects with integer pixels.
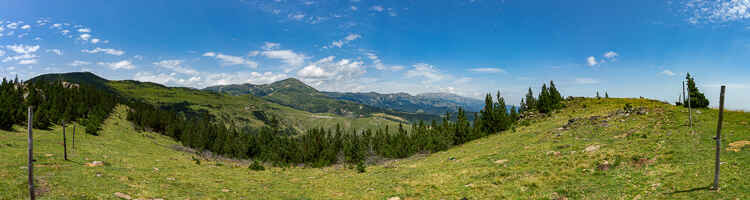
[{"x": 256, "y": 166}]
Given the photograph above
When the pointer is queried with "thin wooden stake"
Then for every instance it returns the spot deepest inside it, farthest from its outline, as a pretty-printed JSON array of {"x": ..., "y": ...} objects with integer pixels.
[
  {"x": 74, "y": 137},
  {"x": 65, "y": 145},
  {"x": 718, "y": 138},
  {"x": 31, "y": 157},
  {"x": 690, "y": 110}
]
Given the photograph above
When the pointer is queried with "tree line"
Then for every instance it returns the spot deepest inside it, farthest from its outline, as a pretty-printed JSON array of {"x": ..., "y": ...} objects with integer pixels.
[
  {"x": 549, "y": 99},
  {"x": 54, "y": 102}
]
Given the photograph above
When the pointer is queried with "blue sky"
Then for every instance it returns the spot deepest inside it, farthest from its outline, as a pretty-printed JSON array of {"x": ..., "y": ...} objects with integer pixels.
[{"x": 468, "y": 47}]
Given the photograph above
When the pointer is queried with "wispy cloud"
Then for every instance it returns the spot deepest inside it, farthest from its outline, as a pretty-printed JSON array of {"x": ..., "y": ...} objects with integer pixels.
[
  {"x": 287, "y": 56},
  {"x": 426, "y": 71},
  {"x": 55, "y": 51},
  {"x": 176, "y": 66},
  {"x": 342, "y": 42},
  {"x": 77, "y": 63},
  {"x": 667, "y": 72},
  {"x": 231, "y": 60},
  {"x": 124, "y": 64},
  {"x": 22, "y": 49},
  {"x": 488, "y": 70},
  {"x": 716, "y": 11},
  {"x": 103, "y": 50}
]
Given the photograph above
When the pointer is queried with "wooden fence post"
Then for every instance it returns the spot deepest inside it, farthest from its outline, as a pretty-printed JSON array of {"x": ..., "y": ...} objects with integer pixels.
[
  {"x": 31, "y": 157},
  {"x": 65, "y": 145},
  {"x": 718, "y": 138},
  {"x": 74, "y": 137},
  {"x": 690, "y": 110}
]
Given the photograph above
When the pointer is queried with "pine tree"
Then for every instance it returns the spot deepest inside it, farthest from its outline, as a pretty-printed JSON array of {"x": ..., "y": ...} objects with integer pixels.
[
  {"x": 544, "y": 103},
  {"x": 597, "y": 95},
  {"x": 697, "y": 99},
  {"x": 555, "y": 95},
  {"x": 530, "y": 101},
  {"x": 606, "y": 95}
]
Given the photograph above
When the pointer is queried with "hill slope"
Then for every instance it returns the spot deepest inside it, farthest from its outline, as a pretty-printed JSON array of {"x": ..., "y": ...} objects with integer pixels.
[
  {"x": 296, "y": 94},
  {"x": 432, "y": 103},
  {"x": 241, "y": 111},
  {"x": 649, "y": 156}
]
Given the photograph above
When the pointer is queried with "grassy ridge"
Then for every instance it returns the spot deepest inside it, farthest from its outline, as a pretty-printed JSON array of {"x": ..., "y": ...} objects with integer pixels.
[
  {"x": 649, "y": 156},
  {"x": 241, "y": 110}
]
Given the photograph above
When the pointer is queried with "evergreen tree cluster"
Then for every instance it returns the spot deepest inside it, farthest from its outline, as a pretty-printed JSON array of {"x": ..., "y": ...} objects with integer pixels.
[
  {"x": 697, "y": 99},
  {"x": 321, "y": 147},
  {"x": 53, "y": 102},
  {"x": 549, "y": 99}
]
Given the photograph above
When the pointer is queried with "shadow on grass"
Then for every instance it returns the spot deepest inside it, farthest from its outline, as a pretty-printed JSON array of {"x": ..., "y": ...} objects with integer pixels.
[{"x": 690, "y": 190}]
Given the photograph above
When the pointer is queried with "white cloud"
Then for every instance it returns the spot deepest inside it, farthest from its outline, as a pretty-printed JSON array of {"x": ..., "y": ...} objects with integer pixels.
[
  {"x": 124, "y": 64},
  {"x": 591, "y": 60},
  {"x": 586, "y": 81},
  {"x": 27, "y": 62},
  {"x": 20, "y": 57},
  {"x": 26, "y": 26},
  {"x": 55, "y": 51},
  {"x": 12, "y": 25},
  {"x": 253, "y": 53},
  {"x": 668, "y": 72},
  {"x": 102, "y": 50},
  {"x": 610, "y": 55},
  {"x": 176, "y": 65},
  {"x": 488, "y": 70},
  {"x": 95, "y": 40},
  {"x": 354, "y": 8},
  {"x": 239, "y": 78},
  {"x": 231, "y": 60},
  {"x": 377, "y": 8},
  {"x": 84, "y": 30},
  {"x": 2, "y": 53},
  {"x": 270, "y": 46},
  {"x": 298, "y": 16},
  {"x": 426, "y": 71},
  {"x": 716, "y": 11},
  {"x": 327, "y": 69},
  {"x": 346, "y": 40},
  {"x": 85, "y": 36},
  {"x": 77, "y": 63},
  {"x": 378, "y": 64},
  {"x": 287, "y": 56},
  {"x": 22, "y": 49}
]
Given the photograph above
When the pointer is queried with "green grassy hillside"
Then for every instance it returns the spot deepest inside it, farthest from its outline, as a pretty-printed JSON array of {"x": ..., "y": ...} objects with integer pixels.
[
  {"x": 243, "y": 110},
  {"x": 599, "y": 154}
]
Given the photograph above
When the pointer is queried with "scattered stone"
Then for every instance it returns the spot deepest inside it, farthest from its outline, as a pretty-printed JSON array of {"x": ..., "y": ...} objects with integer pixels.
[
  {"x": 554, "y": 153},
  {"x": 156, "y": 169},
  {"x": 123, "y": 195},
  {"x": 370, "y": 189},
  {"x": 224, "y": 190},
  {"x": 503, "y": 161},
  {"x": 738, "y": 145},
  {"x": 698, "y": 112},
  {"x": 394, "y": 198},
  {"x": 98, "y": 175},
  {"x": 592, "y": 148},
  {"x": 49, "y": 155},
  {"x": 603, "y": 166},
  {"x": 170, "y": 179},
  {"x": 95, "y": 164},
  {"x": 469, "y": 185}
]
